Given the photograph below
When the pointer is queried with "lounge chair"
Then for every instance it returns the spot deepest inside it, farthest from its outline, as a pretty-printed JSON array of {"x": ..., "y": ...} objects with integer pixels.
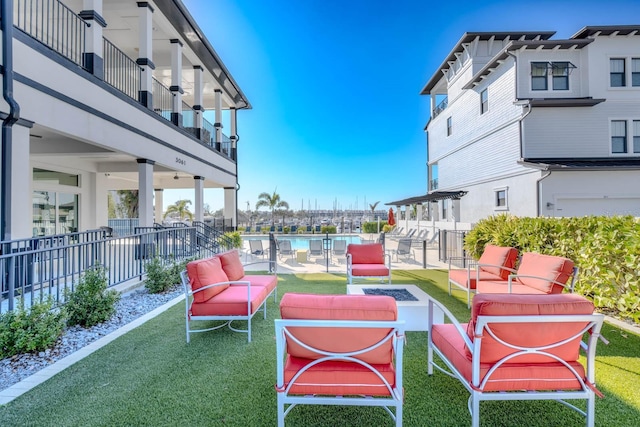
[
  {"x": 404, "y": 249},
  {"x": 315, "y": 248},
  {"x": 520, "y": 347},
  {"x": 256, "y": 249},
  {"x": 339, "y": 350},
  {"x": 247, "y": 230},
  {"x": 293, "y": 229},
  {"x": 339, "y": 248},
  {"x": 284, "y": 249}
]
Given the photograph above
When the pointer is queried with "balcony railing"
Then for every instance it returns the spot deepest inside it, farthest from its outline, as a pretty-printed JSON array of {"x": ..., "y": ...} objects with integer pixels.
[
  {"x": 440, "y": 107},
  {"x": 120, "y": 71},
  {"x": 162, "y": 100},
  {"x": 53, "y": 24},
  {"x": 433, "y": 184}
]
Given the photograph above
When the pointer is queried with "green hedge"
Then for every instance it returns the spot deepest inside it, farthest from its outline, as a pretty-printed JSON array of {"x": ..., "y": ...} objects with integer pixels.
[
  {"x": 372, "y": 226},
  {"x": 606, "y": 249}
]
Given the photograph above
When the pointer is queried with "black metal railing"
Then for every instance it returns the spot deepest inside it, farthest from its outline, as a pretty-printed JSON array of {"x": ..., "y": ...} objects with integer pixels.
[
  {"x": 120, "y": 71},
  {"x": 123, "y": 226},
  {"x": 451, "y": 245},
  {"x": 440, "y": 107},
  {"x": 433, "y": 184},
  {"x": 162, "y": 100},
  {"x": 53, "y": 24}
]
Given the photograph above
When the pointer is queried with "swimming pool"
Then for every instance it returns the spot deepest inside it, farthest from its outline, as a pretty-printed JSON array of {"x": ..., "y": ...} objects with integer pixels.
[{"x": 302, "y": 242}]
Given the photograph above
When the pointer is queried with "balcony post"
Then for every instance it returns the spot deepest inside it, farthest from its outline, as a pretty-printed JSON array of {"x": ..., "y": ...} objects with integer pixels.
[
  {"x": 234, "y": 133},
  {"x": 93, "y": 57},
  {"x": 198, "y": 109},
  {"x": 218, "y": 124},
  {"x": 198, "y": 185},
  {"x": 230, "y": 205},
  {"x": 433, "y": 105},
  {"x": 158, "y": 204},
  {"x": 176, "y": 79},
  {"x": 145, "y": 51},
  {"x": 145, "y": 192}
]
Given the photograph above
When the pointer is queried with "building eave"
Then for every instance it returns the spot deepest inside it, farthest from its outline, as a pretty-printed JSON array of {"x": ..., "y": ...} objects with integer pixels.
[
  {"x": 607, "y": 30},
  {"x": 577, "y": 164},
  {"x": 561, "y": 102},
  {"x": 429, "y": 197}
]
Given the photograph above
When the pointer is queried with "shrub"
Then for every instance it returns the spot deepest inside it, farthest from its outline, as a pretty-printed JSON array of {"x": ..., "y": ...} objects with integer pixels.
[
  {"x": 235, "y": 238},
  {"x": 162, "y": 275},
  {"x": 606, "y": 250},
  {"x": 331, "y": 229},
  {"x": 372, "y": 226},
  {"x": 91, "y": 303},
  {"x": 387, "y": 228},
  {"x": 302, "y": 230},
  {"x": 30, "y": 330},
  {"x": 286, "y": 229}
]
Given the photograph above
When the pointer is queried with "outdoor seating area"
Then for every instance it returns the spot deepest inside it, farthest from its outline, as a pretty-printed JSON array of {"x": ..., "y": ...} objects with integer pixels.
[{"x": 366, "y": 261}]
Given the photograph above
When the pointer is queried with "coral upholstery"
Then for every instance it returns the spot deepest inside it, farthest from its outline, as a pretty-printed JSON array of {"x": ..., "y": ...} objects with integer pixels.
[
  {"x": 524, "y": 345},
  {"x": 216, "y": 288},
  {"x": 368, "y": 260},
  {"x": 536, "y": 274},
  {"x": 317, "y": 341},
  {"x": 495, "y": 264}
]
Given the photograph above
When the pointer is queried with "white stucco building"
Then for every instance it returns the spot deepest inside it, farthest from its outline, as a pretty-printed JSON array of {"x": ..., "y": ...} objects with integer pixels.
[
  {"x": 533, "y": 126},
  {"x": 112, "y": 94}
]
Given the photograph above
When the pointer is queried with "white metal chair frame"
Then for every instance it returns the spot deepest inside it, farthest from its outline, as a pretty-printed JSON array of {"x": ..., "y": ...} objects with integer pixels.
[
  {"x": 387, "y": 264},
  {"x": 396, "y": 392},
  {"x": 189, "y": 295},
  {"x": 483, "y": 327},
  {"x": 472, "y": 264}
]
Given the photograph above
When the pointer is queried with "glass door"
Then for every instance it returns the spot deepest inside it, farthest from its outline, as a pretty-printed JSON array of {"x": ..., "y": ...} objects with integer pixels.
[{"x": 54, "y": 213}]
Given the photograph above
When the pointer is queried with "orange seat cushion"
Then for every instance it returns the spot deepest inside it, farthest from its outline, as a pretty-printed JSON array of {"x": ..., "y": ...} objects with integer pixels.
[
  {"x": 368, "y": 253},
  {"x": 232, "y": 265},
  {"x": 550, "y": 268},
  {"x": 369, "y": 270},
  {"x": 231, "y": 302},
  {"x": 467, "y": 279},
  {"x": 509, "y": 376},
  {"x": 339, "y": 340},
  {"x": 529, "y": 334},
  {"x": 269, "y": 281},
  {"x": 496, "y": 256},
  {"x": 205, "y": 272},
  {"x": 502, "y": 287},
  {"x": 338, "y": 378}
]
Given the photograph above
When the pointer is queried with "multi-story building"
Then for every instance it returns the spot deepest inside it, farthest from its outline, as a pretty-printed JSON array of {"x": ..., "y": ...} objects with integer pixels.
[
  {"x": 110, "y": 95},
  {"x": 526, "y": 124}
]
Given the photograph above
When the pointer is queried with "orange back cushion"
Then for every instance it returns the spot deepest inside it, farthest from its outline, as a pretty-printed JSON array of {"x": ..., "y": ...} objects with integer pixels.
[
  {"x": 528, "y": 334},
  {"x": 550, "y": 268},
  {"x": 368, "y": 253},
  {"x": 339, "y": 307},
  {"x": 232, "y": 265},
  {"x": 205, "y": 272},
  {"x": 499, "y": 256}
]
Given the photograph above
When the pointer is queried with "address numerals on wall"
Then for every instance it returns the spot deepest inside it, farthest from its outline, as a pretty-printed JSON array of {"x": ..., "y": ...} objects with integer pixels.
[{"x": 181, "y": 161}]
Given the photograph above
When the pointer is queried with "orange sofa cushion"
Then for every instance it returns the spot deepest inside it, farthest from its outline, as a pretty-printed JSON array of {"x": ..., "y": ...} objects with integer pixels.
[
  {"x": 269, "y": 281},
  {"x": 529, "y": 334},
  {"x": 552, "y": 268},
  {"x": 231, "y": 302},
  {"x": 498, "y": 256},
  {"x": 338, "y": 378},
  {"x": 502, "y": 287},
  {"x": 232, "y": 265},
  {"x": 467, "y": 279},
  {"x": 368, "y": 253},
  {"x": 339, "y": 307},
  {"x": 509, "y": 376},
  {"x": 369, "y": 270},
  {"x": 205, "y": 272}
]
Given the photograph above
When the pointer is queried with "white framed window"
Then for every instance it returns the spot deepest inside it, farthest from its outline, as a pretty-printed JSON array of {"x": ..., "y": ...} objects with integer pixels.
[
  {"x": 560, "y": 75},
  {"x": 484, "y": 101},
  {"x": 618, "y": 136},
  {"x": 449, "y": 126},
  {"x": 636, "y": 136},
  {"x": 635, "y": 72},
  {"x": 539, "y": 75},
  {"x": 617, "y": 74},
  {"x": 501, "y": 199}
]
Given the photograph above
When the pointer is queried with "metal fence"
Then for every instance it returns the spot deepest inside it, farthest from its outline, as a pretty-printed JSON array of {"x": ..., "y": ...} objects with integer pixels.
[
  {"x": 120, "y": 71},
  {"x": 53, "y": 24},
  {"x": 451, "y": 247},
  {"x": 162, "y": 100},
  {"x": 32, "y": 270}
]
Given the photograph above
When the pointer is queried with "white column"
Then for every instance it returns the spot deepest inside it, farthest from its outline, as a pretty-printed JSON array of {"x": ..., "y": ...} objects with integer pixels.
[
  {"x": 19, "y": 225},
  {"x": 158, "y": 204},
  {"x": 198, "y": 185},
  {"x": 197, "y": 98},
  {"x": 145, "y": 53},
  {"x": 176, "y": 80},
  {"x": 433, "y": 103},
  {"x": 218, "y": 124},
  {"x": 230, "y": 205},
  {"x": 407, "y": 214},
  {"x": 93, "y": 54},
  {"x": 419, "y": 213},
  {"x": 234, "y": 132},
  {"x": 145, "y": 192},
  {"x": 101, "y": 203},
  {"x": 455, "y": 210}
]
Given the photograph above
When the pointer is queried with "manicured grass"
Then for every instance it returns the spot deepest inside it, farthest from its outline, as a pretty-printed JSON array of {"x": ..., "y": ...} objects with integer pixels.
[{"x": 152, "y": 377}]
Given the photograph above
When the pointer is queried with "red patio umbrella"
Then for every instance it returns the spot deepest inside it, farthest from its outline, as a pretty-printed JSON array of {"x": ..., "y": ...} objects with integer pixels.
[{"x": 391, "y": 221}]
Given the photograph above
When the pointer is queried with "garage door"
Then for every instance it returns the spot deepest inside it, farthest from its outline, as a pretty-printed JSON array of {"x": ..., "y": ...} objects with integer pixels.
[{"x": 597, "y": 206}]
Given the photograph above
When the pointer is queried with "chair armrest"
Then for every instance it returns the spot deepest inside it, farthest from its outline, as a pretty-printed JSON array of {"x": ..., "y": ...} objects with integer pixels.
[
  {"x": 514, "y": 276},
  {"x": 448, "y": 315}
]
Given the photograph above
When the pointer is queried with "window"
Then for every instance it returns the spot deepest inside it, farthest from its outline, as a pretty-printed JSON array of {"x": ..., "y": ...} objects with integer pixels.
[
  {"x": 501, "y": 198},
  {"x": 635, "y": 72},
  {"x": 617, "y": 72},
  {"x": 618, "y": 136},
  {"x": 484, "y": 101},
  {"x": 560, "y": 75},
  {"x": 636, "y": 136},
  {"x": 449, "y": 126},
  {"x": 539, "y": 75}
]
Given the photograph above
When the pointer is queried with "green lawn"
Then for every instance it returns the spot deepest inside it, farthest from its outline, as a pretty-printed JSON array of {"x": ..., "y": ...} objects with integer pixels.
[{"x": 151, "y": 376}]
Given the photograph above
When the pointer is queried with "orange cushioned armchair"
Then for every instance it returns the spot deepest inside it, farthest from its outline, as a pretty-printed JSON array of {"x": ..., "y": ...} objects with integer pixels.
[
  {"x": 368, "y": 260},
  {"x": 520, "y": 347},
  {"x": 339, "y": 350}
]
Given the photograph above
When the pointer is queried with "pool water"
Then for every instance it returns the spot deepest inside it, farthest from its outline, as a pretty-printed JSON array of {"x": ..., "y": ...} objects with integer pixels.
[{"x": 302, "y": 242}]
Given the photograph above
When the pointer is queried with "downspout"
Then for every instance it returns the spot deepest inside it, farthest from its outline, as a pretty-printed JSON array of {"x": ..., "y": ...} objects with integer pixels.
[
  {"x": 6, "y": 25},
  {"x": 538, "y": 183}
]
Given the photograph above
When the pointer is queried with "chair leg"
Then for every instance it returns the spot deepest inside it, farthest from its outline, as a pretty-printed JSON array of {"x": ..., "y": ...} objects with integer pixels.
[{"x": 475, "y": 409}]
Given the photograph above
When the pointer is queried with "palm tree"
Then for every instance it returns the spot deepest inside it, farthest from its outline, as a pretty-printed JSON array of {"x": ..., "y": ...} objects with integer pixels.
[
  {"x": 271, "y": 201},
  {"x": 180, "y": 208},
  {"x": 373, "y": 209}
]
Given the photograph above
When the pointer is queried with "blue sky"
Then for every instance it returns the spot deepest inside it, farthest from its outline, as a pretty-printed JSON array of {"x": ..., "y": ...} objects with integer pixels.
[{"x": 334, "y": 86}]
